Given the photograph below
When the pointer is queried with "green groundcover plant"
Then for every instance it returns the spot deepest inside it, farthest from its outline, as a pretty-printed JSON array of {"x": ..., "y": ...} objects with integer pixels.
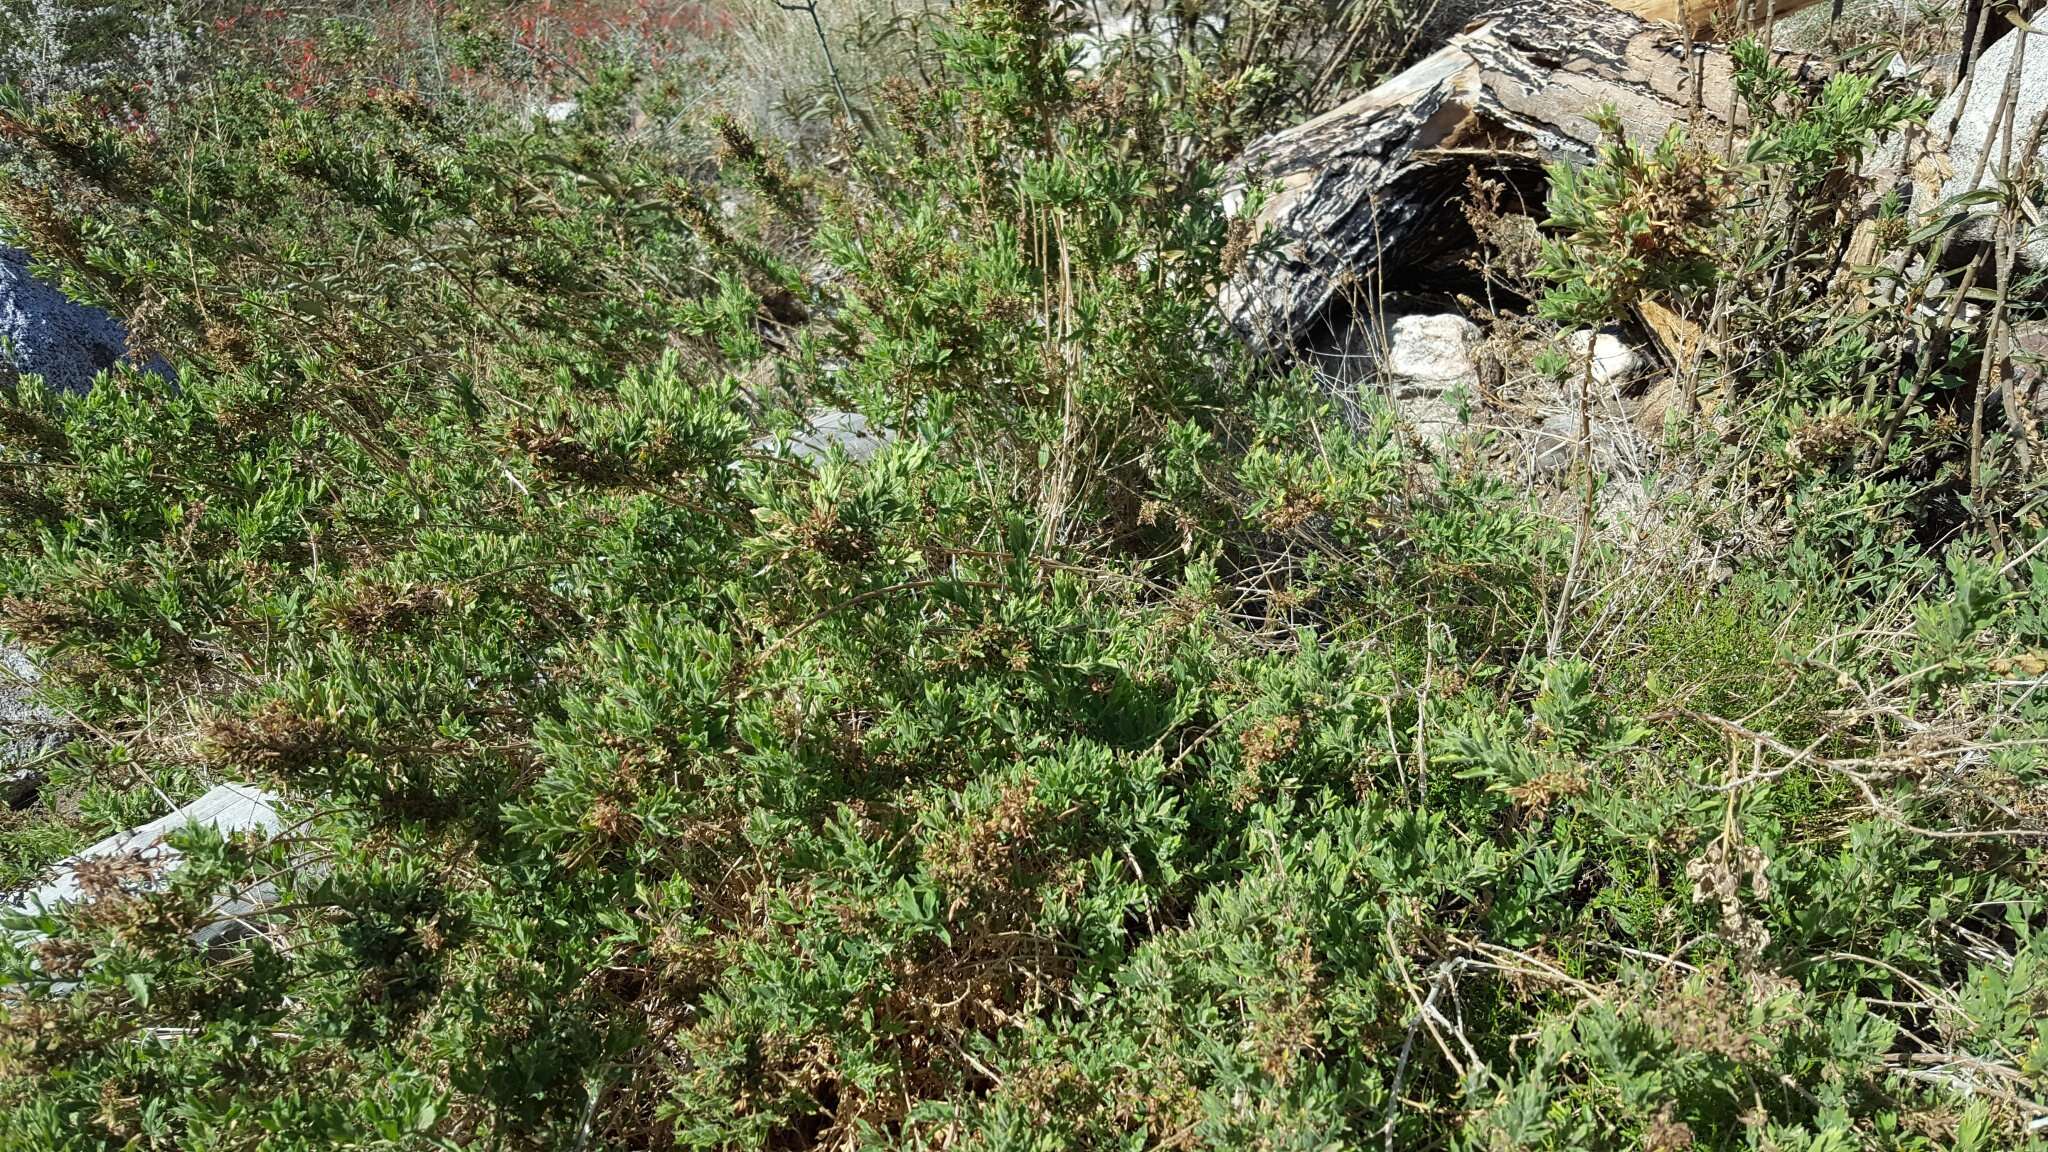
[{"x": 1125, "y": 754}]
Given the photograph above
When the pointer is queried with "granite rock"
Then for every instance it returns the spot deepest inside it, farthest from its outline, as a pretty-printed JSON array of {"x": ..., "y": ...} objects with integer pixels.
[
  {"x": 28, "y": 728},
  {"x": 1937, "y": 167},
  {"x": 1430, "y": 368},
  {"x": 48, "y": 335},
  {"x": 850, "y": 432}
]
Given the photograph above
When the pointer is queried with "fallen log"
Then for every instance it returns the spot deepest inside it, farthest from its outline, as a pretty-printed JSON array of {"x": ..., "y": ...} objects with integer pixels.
[
  {"x": 1370, "y": 190},
  {"x": 1710, "y": 15}
]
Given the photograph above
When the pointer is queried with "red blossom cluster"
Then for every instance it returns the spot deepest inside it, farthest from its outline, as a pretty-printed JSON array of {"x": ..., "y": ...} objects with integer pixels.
[{"x": 557, "y": 35}]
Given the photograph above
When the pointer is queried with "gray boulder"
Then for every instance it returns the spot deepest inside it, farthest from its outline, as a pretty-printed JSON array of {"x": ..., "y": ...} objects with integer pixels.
[
  {"x": 28, "y": 728},
  {"x": 19, "y": 787},
  {"x": 48, "y": 335},
  {"x": 1551, "y": 447},
  {"x": 1934, "y": 167}
]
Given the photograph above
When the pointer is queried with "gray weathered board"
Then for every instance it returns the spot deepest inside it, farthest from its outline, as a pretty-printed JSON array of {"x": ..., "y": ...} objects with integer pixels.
[{"x": 228, "y": 809}]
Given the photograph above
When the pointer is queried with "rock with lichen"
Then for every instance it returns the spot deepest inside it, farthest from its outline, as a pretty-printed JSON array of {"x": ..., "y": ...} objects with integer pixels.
[{"x": 44, "y": 333}]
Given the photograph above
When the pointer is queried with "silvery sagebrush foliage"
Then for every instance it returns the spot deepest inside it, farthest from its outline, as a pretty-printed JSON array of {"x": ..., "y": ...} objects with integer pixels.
[
  {"x": 162, "y": 52},
  {"x": 40, "y": 47}
]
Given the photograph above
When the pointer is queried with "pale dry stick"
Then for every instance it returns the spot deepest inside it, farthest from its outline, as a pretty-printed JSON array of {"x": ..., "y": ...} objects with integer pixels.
[
  {"x": 1959, "y": 751},
  {"x": 1850, "y": 763},
  {"x": 1940, "y": 247},
  {"x": 1924, "y": 357},
  {"x": 1429, "y": 1015},
  {"x": 593, "y": 1092},
  {"x": 1980, "y": 947},
  {"x": 2038, "y": 1113},
  {"x": 1421, "y": 753},
  {"x": 1584, "y": 532},
  {"x": 2002, "y": 1071},
  {"x": 1973, "y": 16},
  {"x": 2013, "y": 709},
  {"x": 2017, "y": 215},
  {"x": 2001, "y": 117},
  {"x": 1401, "y": 1065},
  {"x": 1966, "y": 66},
  {"x": 1944, "y": 1060},
  {"x": 1716, "y": 329},
  {"x": 1394, "y": 743},
  {"x": 1378, "y": 316},
  {"x": 181, "y": 1033},
  {"x": 1671, "y": 961},
  {"x": 1935, "y": 997},
  {"x": 1623, "y": 618},
  {"x": 1995, "y": 337},
  {"x": 1614, "y": 605},
  {"x": 1528, "y": 965},
  {"x": 1427, "y": 1018},
  {"x": 1415, "y": 30},
  {"x": 1761, "y": 707},
  {"x": 1188, "y": 750},
  {"x": 1457, "y": 1028},
  {"x": 810, "y": 8},
  {"x": 1366, "y": 22},
  {"x": 960, "y": 1050},
  {"x": 1061, "y": 358},
  {"x": 1897, "y": 606},
  {"x": 1695, "y": 67},
  {"x": 1744, "y": 12},
  {"x": 1072, "y": 430},
  {"x": 1847, "y": 770},
  {"x": 2007, "y": 254}
]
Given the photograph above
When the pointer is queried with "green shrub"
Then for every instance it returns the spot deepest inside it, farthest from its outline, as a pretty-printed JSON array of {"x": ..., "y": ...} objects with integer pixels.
[{"x": 1124, "y": 754}]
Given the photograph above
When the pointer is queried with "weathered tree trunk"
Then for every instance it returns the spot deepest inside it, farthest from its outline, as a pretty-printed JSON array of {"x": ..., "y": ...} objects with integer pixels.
[
  {"x": 1366, "y": 193},
  {"x": 1705, "y": 15}
]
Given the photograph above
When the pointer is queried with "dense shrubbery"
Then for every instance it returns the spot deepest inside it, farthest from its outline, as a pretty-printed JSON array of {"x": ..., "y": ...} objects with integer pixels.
[{"x": 1126, "y": 755}]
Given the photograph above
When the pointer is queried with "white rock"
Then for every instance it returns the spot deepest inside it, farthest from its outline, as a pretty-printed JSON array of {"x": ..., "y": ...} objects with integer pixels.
[
  {"x": 1429, "y": 365},
  {"x": 1939, "y": 169},
  {"x": 560, "y": 111},
  {"x": 1614, "y": 362},
  {"x": 850, "y": 431},
  {"x": 1432, "y": 352},
  {"x": 28, "y": 728},
  {"x": 228, "y": 808}
]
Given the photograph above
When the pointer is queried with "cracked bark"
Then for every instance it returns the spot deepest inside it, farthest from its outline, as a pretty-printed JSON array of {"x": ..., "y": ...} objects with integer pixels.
[{"x": 1364, "y": 194}]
